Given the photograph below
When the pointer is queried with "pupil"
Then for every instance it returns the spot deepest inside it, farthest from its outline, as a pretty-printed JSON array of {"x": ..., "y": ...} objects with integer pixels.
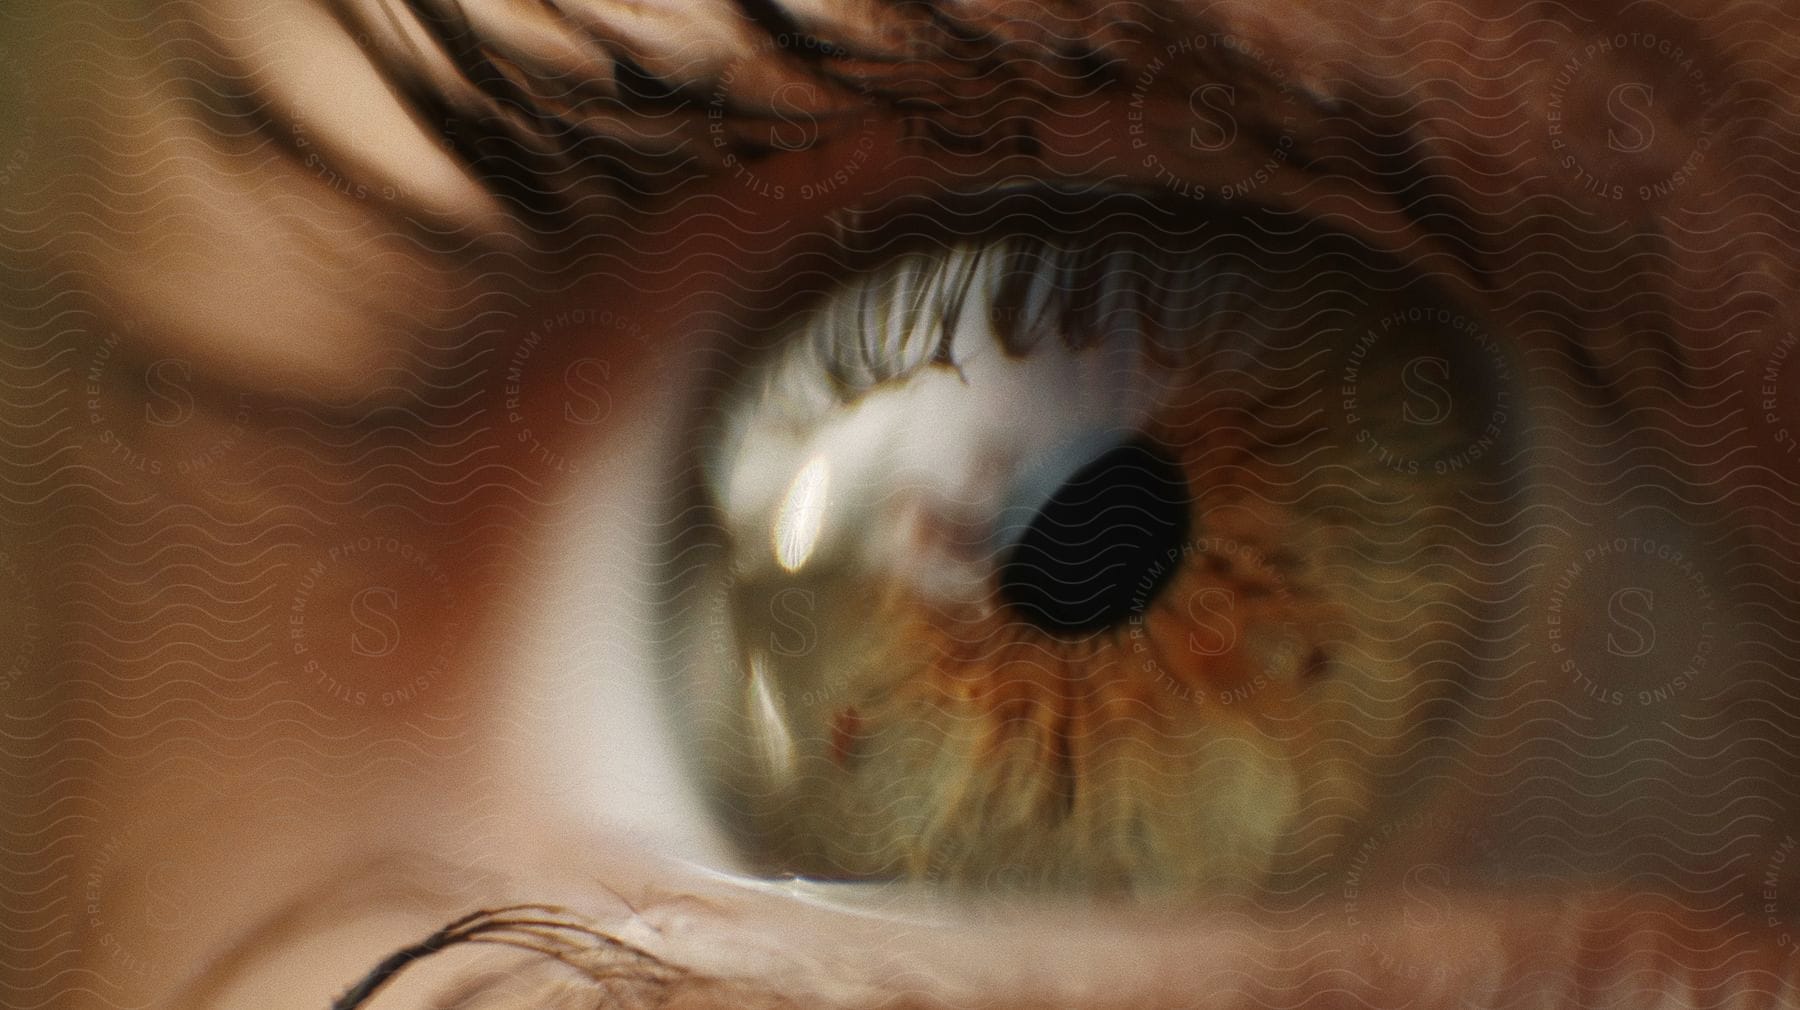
[{"x": 1099, "y": 548}]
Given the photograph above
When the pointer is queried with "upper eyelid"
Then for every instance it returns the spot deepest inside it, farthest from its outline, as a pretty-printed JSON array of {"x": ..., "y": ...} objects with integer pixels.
[
  {"x": 646, "y": 125},
  {"x": 548, "y": 103},
  {"x": 615, "y": 119},
  {"x": 576, "y": 123}
]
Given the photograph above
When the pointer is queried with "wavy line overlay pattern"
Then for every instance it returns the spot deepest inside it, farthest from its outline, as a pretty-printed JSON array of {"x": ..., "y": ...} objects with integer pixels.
[{"x": 860, "y": 503}]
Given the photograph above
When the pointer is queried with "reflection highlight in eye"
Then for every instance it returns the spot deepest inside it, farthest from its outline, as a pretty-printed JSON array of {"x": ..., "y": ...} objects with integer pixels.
[
  {"x": 802, "y": 515},
  {"x": 1121, "y": 564},
  {"x": 770, "y": 724}
]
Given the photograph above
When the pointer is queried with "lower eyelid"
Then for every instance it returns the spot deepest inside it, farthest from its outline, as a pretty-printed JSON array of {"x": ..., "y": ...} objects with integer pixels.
[{"x": 717, "y": 948}]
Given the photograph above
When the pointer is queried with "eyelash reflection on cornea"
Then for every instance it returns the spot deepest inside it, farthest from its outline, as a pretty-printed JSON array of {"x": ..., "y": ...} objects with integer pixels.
[
  {"x": 902, "y": 319},
  {"x": 1080, "y": 278}
]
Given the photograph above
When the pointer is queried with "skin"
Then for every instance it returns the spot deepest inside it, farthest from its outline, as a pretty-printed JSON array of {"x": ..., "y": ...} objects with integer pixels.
[{"x": 316, "y": 305}]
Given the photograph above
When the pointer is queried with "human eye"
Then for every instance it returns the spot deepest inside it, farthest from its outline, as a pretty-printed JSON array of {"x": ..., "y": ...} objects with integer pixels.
[
  {"x": 1106, "y": 549},
  {"x": 835, "y": 504}
]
